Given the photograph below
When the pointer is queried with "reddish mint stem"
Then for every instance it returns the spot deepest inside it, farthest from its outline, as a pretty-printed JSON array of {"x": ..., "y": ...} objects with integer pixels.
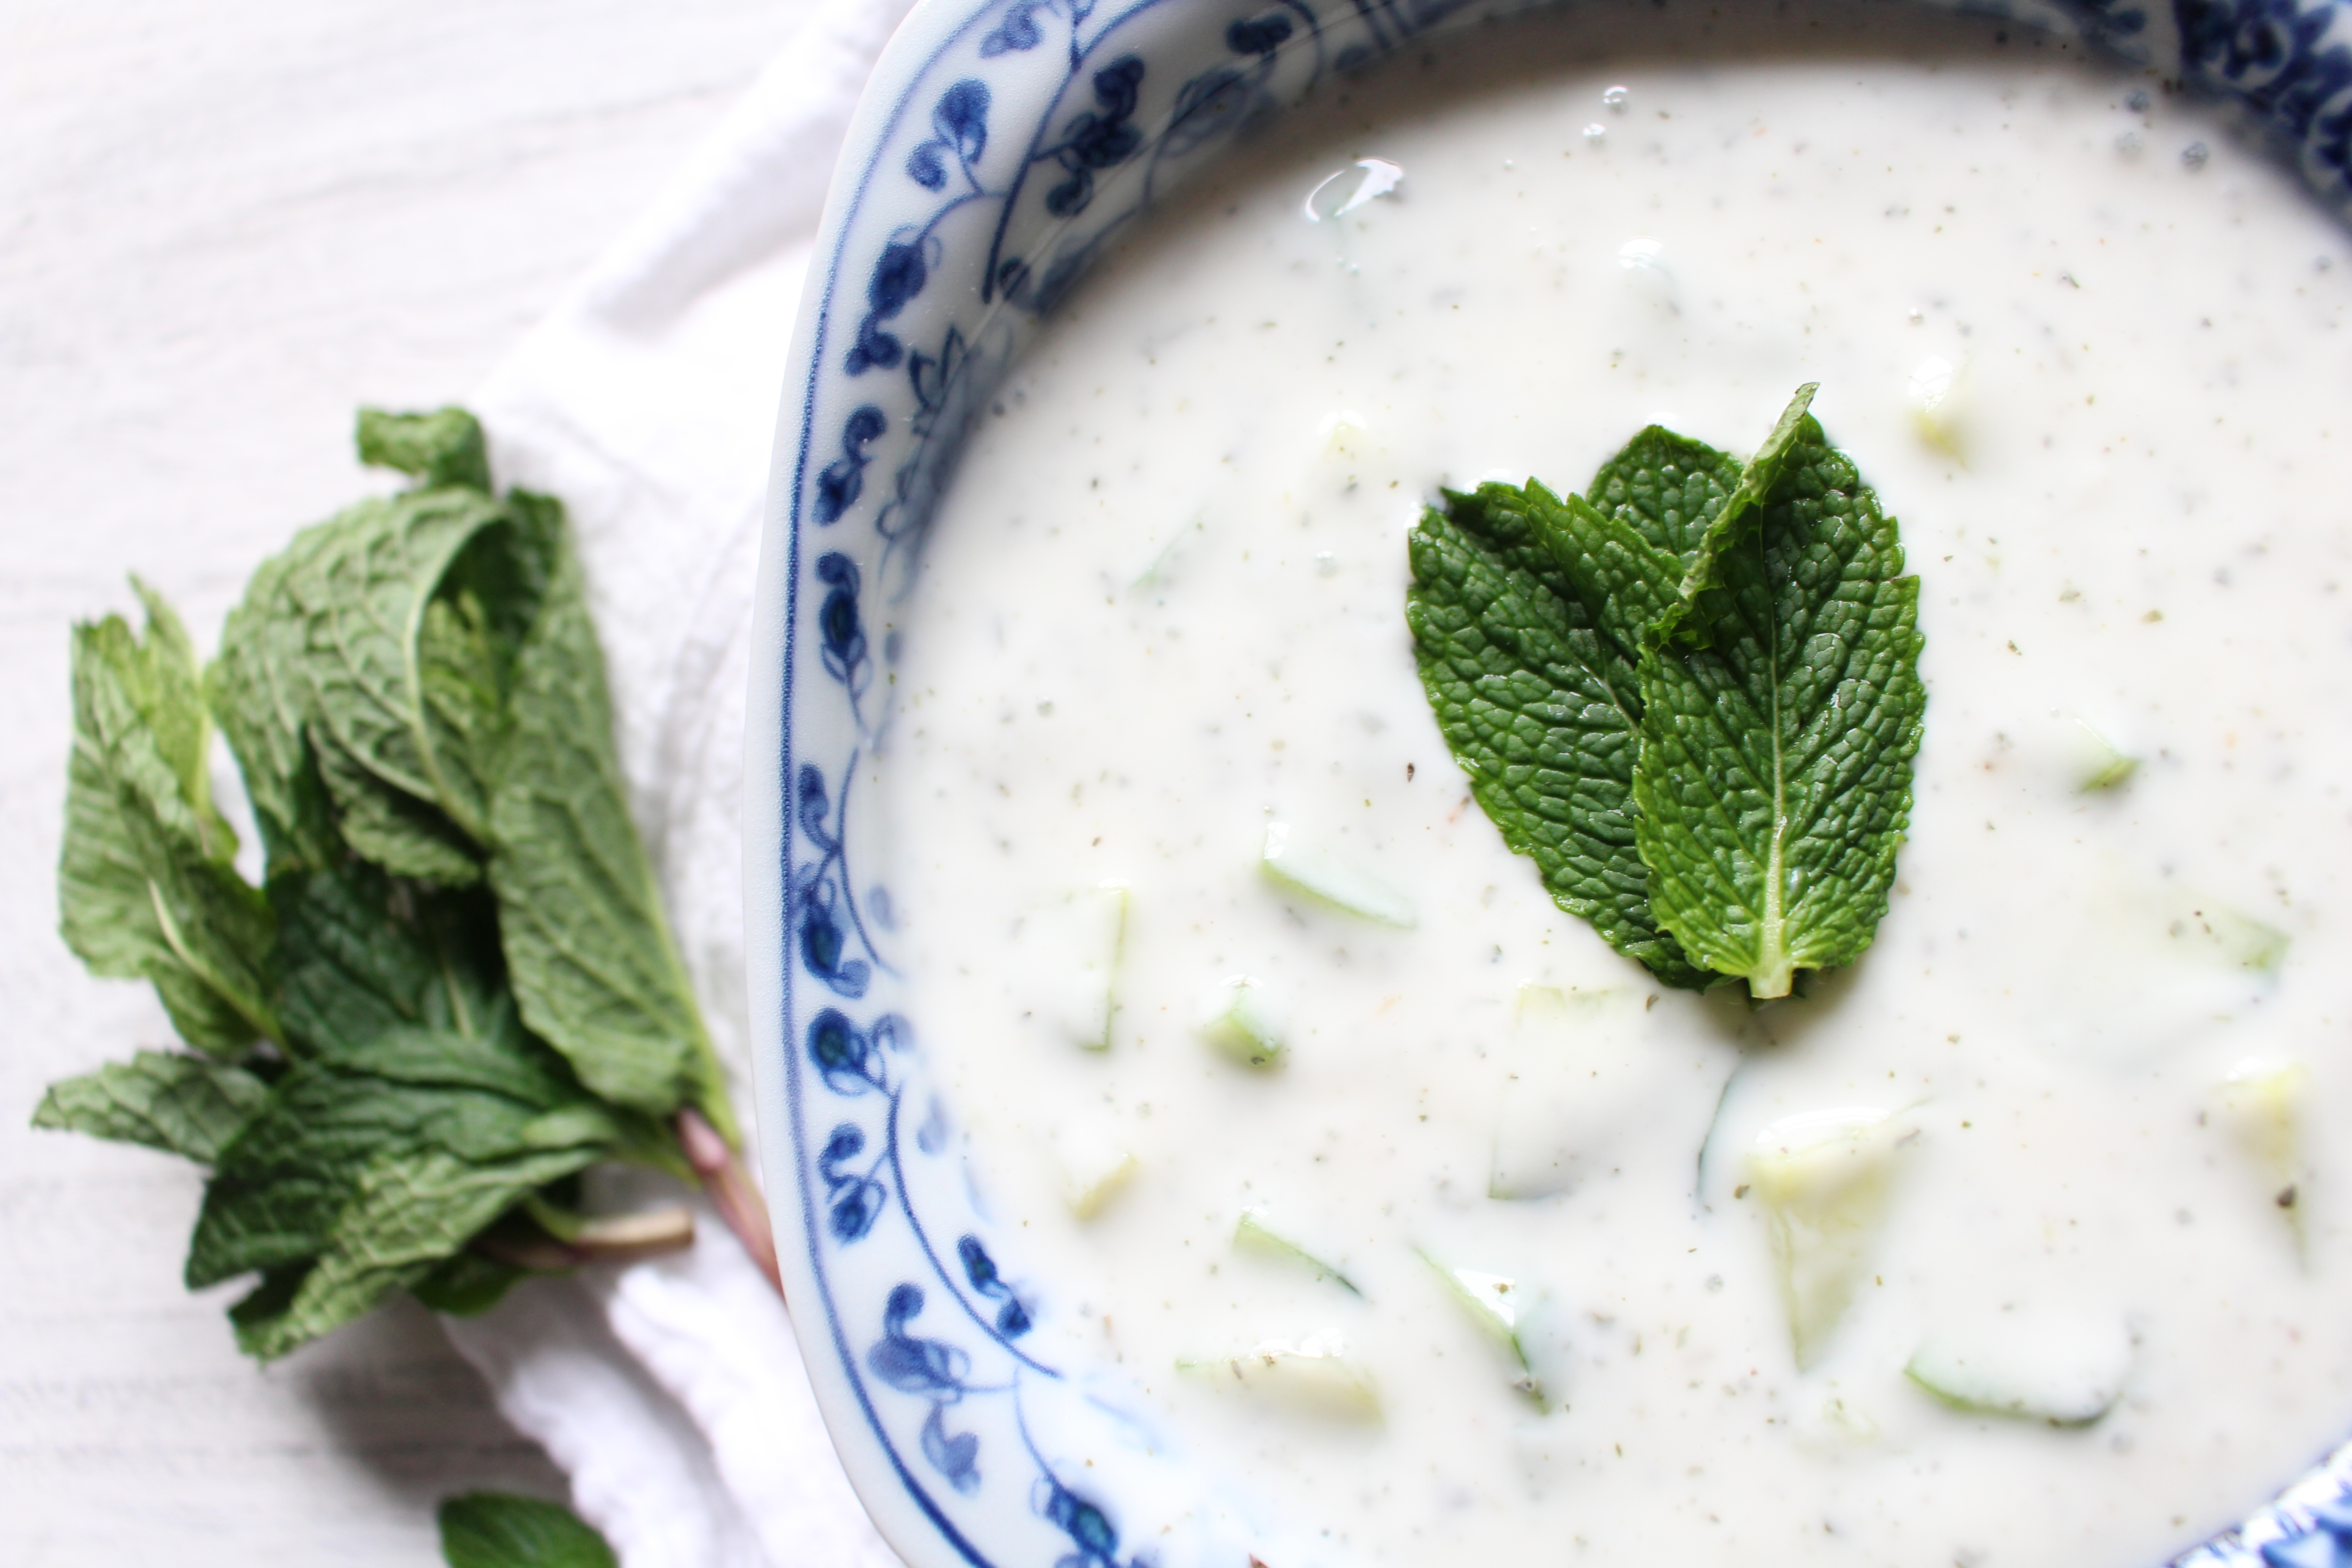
[{"x": 739, "y": 1203}]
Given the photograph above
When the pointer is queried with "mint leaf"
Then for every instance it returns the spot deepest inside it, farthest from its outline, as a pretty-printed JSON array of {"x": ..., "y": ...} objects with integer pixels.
[
  {"x": 443, "y": 448},
  {"x": 1668, "y": 489},
  {"x": 589, "y": 951},
  {"x": 1671, "y": 505},
  {"x": 467, "y": 1284},
  {"x": 1702, "y": 565},
  {"x": 1775, "y": 777},
  {"x": 359, "y": 955},
  {"x": 493, "y": 1530},
  {"x": 290, "y": 690},
  {"x": 391, "y": 829},
  {"x": 363, "y": 598},
  {"x": 1538, "y": 705},
  {"x": 145, "y": 885},
  {"x": 462, "y": 684},
  {"x": 282, "y": 1184},
  {"x": 256, "y": 692},
  {"x": 408, "y": 1209},
  {"x": 1693, "y": 699},
  {"x": 1628, "y": 585},
  {"x": 409, "y": 989},
  {"x": 370, "y": 1169},
  {"x": 283, "y": 1181},
  {"x": 393, "y": 682},
  {"x": 363, "y": 671},
  {"x": 506, "y": 1062},
  {"x": 182, "y": 1105}
]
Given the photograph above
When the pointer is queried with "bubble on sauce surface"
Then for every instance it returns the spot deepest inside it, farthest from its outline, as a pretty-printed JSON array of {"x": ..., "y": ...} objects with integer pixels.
[{"x": 1366, "y": 180}]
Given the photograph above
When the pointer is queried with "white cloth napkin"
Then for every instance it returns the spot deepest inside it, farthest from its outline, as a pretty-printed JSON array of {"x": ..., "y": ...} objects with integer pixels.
[{"x": 672, "y": 1390}]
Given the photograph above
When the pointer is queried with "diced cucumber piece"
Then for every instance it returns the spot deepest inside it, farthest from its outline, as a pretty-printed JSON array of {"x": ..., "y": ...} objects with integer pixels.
[
  {"x": 1240, "y": 1021},
  {"x": 2264, "y": 1102},
  {"x": 2060, "y": 749},
  {"x": 1494, "y": 1304},
  {"x": 2066, "y": 1371},
  {"x": 1251, "y": 1235},
  {"x": 1346, "y": 435},
  {"x": 2153, "y": 935},
  {"x": 1095, "y": 1165},
  {"x": 1165, "y": 562},
  {"x": 2140, "y": 964},
  {"x": 2098, "y": 764},
  {"x": 1836, "y": 1425},
  {"x": 1068, "y": 959},
  {"x": 1823, "y": 1178},
  {"x": 1936, "y": 392},
  {"x": 1333, "y": 877},
  {"x": 1582, "y": 1070},
  {"x": 1313, "y": 1374},
  {"x": 2232, "y": 937}
]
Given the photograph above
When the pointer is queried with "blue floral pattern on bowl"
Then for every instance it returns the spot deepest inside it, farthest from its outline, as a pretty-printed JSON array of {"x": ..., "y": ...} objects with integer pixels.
[{"x": 1001, "y": 146}]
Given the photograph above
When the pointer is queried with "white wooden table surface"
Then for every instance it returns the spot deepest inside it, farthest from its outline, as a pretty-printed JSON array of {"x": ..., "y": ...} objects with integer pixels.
[{"x": 224, "y": 223}]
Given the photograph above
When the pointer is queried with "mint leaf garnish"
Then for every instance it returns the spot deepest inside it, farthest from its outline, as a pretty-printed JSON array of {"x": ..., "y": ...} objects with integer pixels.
[
  {"x": 1693, "y": 699},
  {"x": 1775, "y": 779},
  {"x": 494, "y": 1529}
]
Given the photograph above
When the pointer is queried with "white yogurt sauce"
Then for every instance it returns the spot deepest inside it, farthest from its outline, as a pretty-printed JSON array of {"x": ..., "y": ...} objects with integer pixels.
[{"x": 1163, "y": 609}]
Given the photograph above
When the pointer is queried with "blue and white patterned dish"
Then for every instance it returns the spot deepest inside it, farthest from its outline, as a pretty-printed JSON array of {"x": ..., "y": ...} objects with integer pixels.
[{"x": 1000, "y": 146}]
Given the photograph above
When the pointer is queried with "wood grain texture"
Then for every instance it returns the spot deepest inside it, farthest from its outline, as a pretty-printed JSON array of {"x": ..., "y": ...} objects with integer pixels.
[{"x": 222, "y": 225}]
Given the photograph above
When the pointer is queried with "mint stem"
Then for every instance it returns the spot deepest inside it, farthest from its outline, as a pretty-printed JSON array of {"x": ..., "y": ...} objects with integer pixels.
[
  {"x": 613, "y": 1239},
  {"x": 639, "y": 1235},
  {"x": 739, "y": 1202}
]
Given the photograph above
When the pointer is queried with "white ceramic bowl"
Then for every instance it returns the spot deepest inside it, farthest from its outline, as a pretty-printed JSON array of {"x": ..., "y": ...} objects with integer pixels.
[{"x": 1000, "y": 145}]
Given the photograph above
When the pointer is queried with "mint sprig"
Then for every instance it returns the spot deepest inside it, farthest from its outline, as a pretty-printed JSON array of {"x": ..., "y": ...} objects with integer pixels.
[
  {"x": 1693, "y": 698},
  {"x": 455, "y": 988}
]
